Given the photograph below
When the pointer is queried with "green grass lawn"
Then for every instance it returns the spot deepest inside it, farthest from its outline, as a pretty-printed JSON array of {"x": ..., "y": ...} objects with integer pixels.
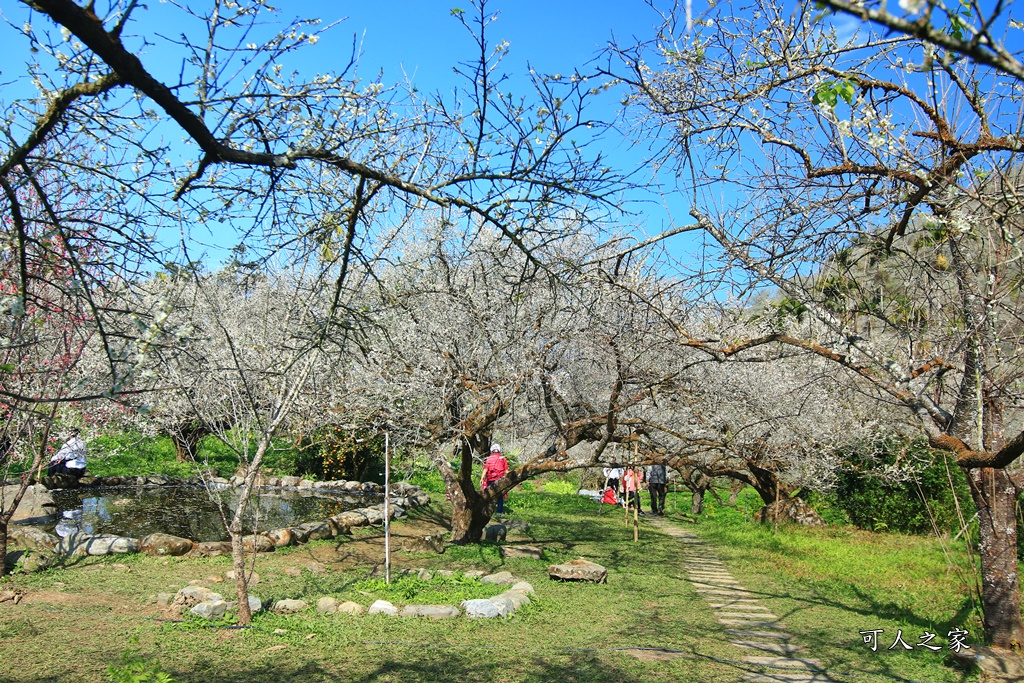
[{"x": 646, "y": 624}]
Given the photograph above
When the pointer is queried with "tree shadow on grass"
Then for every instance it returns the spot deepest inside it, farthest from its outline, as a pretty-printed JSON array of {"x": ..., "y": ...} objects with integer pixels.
[{"x": 441, "y": 666}]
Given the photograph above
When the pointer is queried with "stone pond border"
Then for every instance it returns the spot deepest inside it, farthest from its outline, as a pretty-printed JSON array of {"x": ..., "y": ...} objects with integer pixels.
[
  {"x": 403, "y": 496},
  {"x": 206, "y": 604}
]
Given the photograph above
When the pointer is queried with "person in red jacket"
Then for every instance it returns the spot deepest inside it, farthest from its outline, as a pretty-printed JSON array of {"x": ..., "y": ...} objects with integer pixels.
[{"x": 495, "y": 467}]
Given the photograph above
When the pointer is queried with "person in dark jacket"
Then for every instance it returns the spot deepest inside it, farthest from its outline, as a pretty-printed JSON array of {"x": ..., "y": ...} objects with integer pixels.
[{"x": 657, "y": 477}]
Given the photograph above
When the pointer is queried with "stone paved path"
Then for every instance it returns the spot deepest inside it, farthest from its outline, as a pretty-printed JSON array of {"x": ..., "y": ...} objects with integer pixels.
[{"x": 747, "y": 623}]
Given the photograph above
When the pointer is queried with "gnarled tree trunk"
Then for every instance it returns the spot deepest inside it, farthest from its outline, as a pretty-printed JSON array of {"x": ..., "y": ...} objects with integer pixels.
[{"x": 995, "y": 496}]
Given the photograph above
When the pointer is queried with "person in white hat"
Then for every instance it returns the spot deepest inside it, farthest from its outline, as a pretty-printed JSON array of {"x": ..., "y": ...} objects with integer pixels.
[{"x": 495, "y": 467}]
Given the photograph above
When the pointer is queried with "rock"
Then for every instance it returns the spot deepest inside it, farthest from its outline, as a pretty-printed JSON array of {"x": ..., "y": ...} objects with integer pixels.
[
  {"x": 420, "y": 499},
  {"x": 518, "y": 526},
  {"x": 445, "y": 572},
  {"x": 495, "y": 532},
  {"x": 317, "y": 568},
  {"x": 500, "y": 578},
  {"x": 480, "y": 609},
  {"x": 259, "y": 542},
  {"x": 382, "y": 607},
  {"x": 579, "y": 570},
  {"x": 88, "y": 482},
  {"x": 523, "y": 587},
  {"x": 317, "y": 531},
  {"x": 190, "y": 596},
  {"x": 373, "y": 517},
  {"x": 510, "y": 551},
  {"x": 36, "y": 507},
  {"x": 214, "y": 609},
  {"x": 30, "y": 537},
  {"x": 474, "y": 574},
  {"x": 282, "y": 537},
  {"x": 300, "y": 535},
  {"x": 397, "y": 511},
  {"x": 124, "y": 502},
  {"x": 165, "y": 544},
  {"x": 424, "y": 544},
  {"x": 518, "y": 598},
  {"x": 253, "y": 577},
  {"x": 159, "y": 480},
  {"x": 9, "y": 596},
  {"x": 504, "y": 604},
  {"x": 997, "y": 665},
  {"x": 60, "y": 481},
  {"x": 351, "y": 486},
  {"x": 327, "y": 605},
  {"x": 430, "y": 611},
  {"x": 305, "y": 484},
  {"x": 349, "y": 607},
  {"x": 289, "y": 606},
  {"x": 211, "y": 548},
  {"x": 290, "y": 481},
  {"x": 255, "y": 605},
  {"x": 29, "y": 561},
  {"x": 424, "y": 574},
  {"x": 370, "y": 487},
  {"x": 164, "y": 599},
  {"x": 350, "y": 518},
  {"x": 105, "y": 544}
]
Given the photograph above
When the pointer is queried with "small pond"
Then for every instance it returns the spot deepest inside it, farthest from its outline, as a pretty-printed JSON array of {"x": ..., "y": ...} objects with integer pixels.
[{"x": 190, "y": 511}]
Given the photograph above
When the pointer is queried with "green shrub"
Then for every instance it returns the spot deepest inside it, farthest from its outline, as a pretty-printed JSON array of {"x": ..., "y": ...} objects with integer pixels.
[
  {"x": 134, "y": 668},
  {"x": 871, "y": 501}
]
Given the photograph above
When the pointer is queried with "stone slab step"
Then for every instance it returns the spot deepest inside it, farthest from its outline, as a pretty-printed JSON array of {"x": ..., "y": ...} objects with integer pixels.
[
  {"x": 723, "y": 593},
  {"x": 784, "y": 662},
  {"x": 739, "y": 603},
  {"x": 808, "y": 677},
  {"x": 719, "y": 586},
  {"x": 757, "y": 634},
  {"x": 746, "y": 615},
  {"x": 749, "y": 622},
  {"x": 781, "y": 648}
]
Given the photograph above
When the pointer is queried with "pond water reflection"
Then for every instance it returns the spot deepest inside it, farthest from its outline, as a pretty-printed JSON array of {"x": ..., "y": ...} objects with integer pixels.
[{"x": 191, "y": 511}]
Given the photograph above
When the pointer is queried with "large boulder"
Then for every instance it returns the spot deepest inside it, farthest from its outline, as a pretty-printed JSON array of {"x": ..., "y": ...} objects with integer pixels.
[
  {"x": 510, "y": 551},
  {"x": 424, "y": 544},
  {"x": 282, "y": 537},
  {"x": 350, "y": 518},
  {"x": 36, "y": 507},
  {"x": 506, "y": 606},
  {"x": 495, "y": 532},
  {"x": 214, "y": 609},
  {"x": 480, "y": 609},
  {"x": 317, "y": 531},
  {"x": 430, "y": 611},
  {"x": 211, "y": 548},
  {"x": 579, "y": 570},
  {"x": 289, "y": 606},
  {"x": 30, "y": 537},
  {"x": 165, "y": 544},
  {"x": 382, "y": 607},
  {"x": 499, "y": 578},
  {"x": 105, "y": 544},
  {"x": 29, "y": 561},
  {"x": 259, "y": 543},
  {"x": 190, "y": 596}
]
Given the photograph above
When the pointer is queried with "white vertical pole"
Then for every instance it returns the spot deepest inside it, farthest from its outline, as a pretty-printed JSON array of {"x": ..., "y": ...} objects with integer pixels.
[{"x": 387, "y": 510}]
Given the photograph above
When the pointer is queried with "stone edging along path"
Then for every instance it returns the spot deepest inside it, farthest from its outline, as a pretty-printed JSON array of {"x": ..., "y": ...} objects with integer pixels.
[
  {"x": 204, "y": 603},
  {"x": 747, "y": 624},
  {"x": 403, "y": 496}
]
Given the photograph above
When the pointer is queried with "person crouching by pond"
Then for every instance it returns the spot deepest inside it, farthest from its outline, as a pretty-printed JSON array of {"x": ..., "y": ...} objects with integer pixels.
[
  {"x": 70, "y": 459},
  {"x": 495, "y": 467}
]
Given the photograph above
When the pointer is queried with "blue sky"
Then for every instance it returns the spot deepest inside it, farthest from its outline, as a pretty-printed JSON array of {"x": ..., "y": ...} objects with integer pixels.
[{"x": 415, "y": 39}]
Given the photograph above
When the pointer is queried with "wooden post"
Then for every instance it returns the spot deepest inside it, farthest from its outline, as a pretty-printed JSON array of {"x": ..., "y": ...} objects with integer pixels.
[
  {"x": 387, "y": 510},
  {"x": 636, "y": 495},
  {"x": 776, "y": 532}
]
